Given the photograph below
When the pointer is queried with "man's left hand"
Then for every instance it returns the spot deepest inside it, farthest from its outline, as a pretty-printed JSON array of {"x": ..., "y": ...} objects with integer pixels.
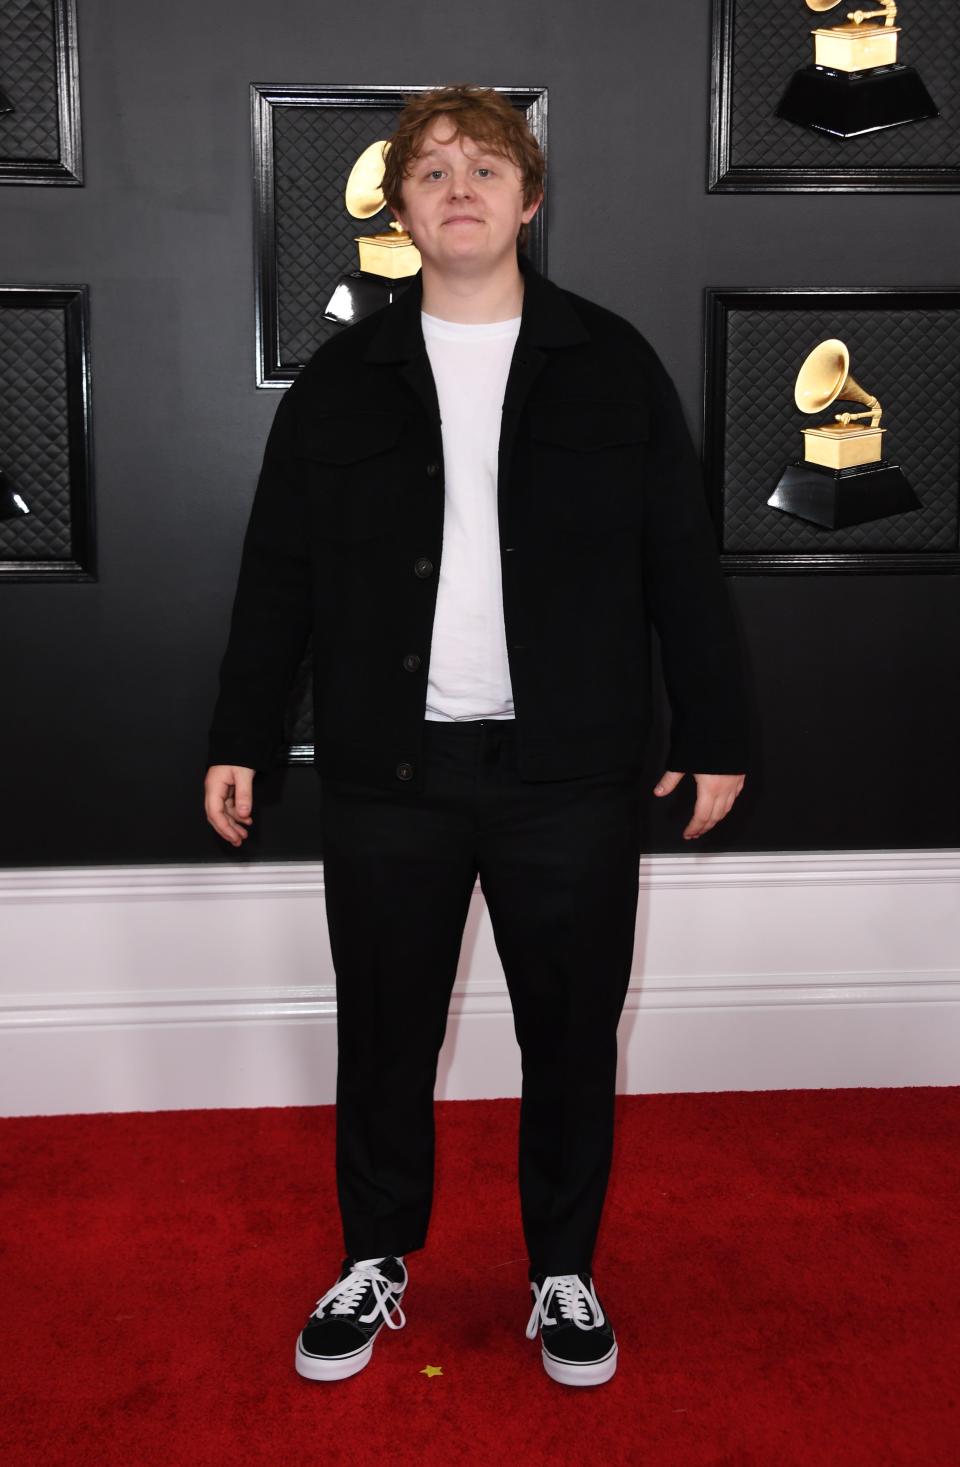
[{"x": 715, "y": 796}]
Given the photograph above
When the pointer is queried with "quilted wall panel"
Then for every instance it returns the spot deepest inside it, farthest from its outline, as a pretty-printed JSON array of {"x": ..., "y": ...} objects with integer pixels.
[
  {"x": 910, "y": 359},
  {"x": 306, "y": 141},
  {"x": 35, "y": 432},
  {"x": 314, "y": 150},
  {"x": 28, "y": 75},
  {"x": 770, "y": 42}
]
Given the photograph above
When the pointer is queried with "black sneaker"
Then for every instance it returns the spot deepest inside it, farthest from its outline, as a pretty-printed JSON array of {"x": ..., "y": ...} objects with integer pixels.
[
  {"x": 337, "y": 1339},
  {"x": 577, "y": 1340}
]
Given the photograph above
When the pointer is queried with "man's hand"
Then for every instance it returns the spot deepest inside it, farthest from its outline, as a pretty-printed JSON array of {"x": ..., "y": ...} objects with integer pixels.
[
  {"x": 228, "y": 800},
  {"x": 715, "y": 796}
]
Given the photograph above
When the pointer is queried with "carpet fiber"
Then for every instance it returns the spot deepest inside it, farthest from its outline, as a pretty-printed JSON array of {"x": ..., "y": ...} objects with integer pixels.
[{"x": 781, "y": 1269}]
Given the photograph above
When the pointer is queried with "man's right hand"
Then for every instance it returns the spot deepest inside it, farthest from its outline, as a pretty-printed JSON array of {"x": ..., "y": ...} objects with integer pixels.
[{"x": 228, "y": 800}]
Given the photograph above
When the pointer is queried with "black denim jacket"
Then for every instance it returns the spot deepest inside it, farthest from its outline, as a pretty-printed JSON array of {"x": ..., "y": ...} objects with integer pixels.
[{"x": 604, "y": 529}]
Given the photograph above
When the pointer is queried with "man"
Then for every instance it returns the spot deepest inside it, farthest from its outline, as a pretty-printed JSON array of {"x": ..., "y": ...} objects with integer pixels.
[{"x": 476, "y": 500}]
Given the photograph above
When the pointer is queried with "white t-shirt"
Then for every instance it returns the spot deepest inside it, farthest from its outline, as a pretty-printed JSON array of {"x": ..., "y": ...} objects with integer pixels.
[{"x": 469, "y": 675}]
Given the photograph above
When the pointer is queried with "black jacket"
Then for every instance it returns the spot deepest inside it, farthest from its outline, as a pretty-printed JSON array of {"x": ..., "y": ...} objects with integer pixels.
[{"x": 603, "y": 529}]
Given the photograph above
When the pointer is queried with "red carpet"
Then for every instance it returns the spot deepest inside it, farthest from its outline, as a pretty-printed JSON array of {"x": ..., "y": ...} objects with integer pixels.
[{"x": 781, "y": 1269}]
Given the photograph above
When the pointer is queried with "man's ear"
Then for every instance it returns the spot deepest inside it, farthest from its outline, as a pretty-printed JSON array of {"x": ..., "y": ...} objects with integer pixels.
[
  {"x": 397, "y": 216},
  {"x": 533, "y": 209}
]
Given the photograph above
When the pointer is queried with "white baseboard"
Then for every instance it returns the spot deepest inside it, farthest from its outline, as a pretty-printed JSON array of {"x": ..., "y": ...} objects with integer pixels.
[{"x": 167, "y": 987}]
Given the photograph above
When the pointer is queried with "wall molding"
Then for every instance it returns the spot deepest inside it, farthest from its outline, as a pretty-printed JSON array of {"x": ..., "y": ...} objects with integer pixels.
[
  {"x": 129, "y": 988},
  {"x": 763, "y": 868},
  {"x": 318, "y": 1002}
]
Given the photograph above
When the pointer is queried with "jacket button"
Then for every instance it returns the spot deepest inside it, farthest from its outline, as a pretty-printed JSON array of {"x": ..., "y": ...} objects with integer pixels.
[
  {"x": 433, "y": 469},
  {"x": 404, "y": 770},
  {"x": 423, "y": 567},
  {"x": 411, "y": 662}
]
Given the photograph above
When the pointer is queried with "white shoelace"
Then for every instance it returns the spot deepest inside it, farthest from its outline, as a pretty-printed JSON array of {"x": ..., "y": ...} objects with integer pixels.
[
  {"x": 344, "y": 1298},
  {"x": 568, "y": 1293}
]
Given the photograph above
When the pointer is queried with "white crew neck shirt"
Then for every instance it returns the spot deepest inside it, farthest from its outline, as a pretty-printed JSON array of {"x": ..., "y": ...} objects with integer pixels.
[{"x": 469, "y": 676}]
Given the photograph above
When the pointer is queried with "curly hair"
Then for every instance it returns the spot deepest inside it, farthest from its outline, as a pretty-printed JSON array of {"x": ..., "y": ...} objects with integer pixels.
[{"x": 482, "y": 115}]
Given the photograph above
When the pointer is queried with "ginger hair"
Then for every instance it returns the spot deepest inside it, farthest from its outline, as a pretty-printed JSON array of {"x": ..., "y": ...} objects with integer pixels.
[{"x": 480, "y": 114}]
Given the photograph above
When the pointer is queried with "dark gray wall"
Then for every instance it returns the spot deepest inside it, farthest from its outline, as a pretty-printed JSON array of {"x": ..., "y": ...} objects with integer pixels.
[{"x": 107, "y": 688}]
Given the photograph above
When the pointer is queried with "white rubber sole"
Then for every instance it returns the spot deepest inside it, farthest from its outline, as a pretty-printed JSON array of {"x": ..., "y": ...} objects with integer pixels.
[
  {"x": 338, "y": 1367},
  {"x": 595, "y": 1372},
  {"x": 315, "y": 1367}
]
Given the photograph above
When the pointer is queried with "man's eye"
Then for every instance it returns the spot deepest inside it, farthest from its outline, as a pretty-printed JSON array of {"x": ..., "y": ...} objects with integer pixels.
[
  {"x": 485, "y": 171},
  {"x": 435, "y": 173}
]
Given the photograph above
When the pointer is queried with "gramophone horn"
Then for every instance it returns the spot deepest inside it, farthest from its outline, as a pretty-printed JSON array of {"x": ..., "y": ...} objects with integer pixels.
[
  {"x": 819, "y": 5},
  {"x": 363, "y": 195},
  {"x": 824, "y": 376}
]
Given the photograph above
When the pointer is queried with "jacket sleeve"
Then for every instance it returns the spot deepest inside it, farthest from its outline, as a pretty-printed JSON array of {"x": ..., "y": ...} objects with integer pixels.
[
  {"x": 687, "y": 599},
  {"x": 270, "y": 622}
]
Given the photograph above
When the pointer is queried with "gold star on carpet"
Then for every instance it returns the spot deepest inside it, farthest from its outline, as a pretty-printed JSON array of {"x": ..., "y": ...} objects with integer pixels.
[{"x": 429, "y": 1370}]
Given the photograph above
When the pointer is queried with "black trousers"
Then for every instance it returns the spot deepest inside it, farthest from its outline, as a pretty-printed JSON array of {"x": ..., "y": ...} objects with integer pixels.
[{"x": 558, "y": 864}]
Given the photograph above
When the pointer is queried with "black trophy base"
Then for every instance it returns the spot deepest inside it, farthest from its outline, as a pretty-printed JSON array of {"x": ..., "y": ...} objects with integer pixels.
[
  {"x": 845, "y": 104},
  {"x": 839, "y": 498},
  {"x": 12, "y": 505},
  {"x": 359, "y": 294}
]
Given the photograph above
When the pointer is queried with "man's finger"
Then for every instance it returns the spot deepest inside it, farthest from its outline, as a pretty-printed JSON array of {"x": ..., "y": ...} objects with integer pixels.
[
  {"x": 705, "y": 819},
  {"x": 668, "y": 782},
  {"x": 219, "y": 816},
  {"x": 227, "y": 788},
  {"x": 706, "y": 813},
  {"x": 224, "y": 826},
  {"x": 716, "y": 794},
  {"x": 243, "y": 791},
  {"x": 698, "y": 821},
  {"x": 235, "y": 834},
  {"x": 233, "y": 810}
]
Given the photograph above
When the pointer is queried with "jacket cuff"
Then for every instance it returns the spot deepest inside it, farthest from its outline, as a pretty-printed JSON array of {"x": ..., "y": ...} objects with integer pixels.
[
  {"x": 708, "y": 757},
  {"x": 250, "y": 753}
]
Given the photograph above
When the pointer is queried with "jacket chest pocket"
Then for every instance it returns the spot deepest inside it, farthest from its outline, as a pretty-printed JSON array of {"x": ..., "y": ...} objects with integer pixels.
[
  {"x": 352, "y": 474},
  {"x": 588, "y": 462}
]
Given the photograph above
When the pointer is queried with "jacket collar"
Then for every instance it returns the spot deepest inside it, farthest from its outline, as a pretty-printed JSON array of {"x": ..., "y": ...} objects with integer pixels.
[{"x": 547, "y": 319}]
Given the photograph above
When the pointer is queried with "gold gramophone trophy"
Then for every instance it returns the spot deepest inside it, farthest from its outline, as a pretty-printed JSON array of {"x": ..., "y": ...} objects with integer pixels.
[
  {"x": 843, "y": 479},
  {"x": 387, "y": 260},
  {"x": 856, "y": 84}
]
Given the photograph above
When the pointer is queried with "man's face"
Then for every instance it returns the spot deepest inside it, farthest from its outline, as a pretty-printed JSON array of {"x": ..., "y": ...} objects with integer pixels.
[{"x": 462, "y": 205}]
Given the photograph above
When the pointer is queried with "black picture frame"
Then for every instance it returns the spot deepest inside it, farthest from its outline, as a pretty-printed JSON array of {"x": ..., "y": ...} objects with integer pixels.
[
  {"x": 276, "y": 366},
  {"x": 64, "y": 164},
  {"x": 839, "y": 172},
  {"x": 770, "y": 342},
  {"x": 63, "y": 388}
]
